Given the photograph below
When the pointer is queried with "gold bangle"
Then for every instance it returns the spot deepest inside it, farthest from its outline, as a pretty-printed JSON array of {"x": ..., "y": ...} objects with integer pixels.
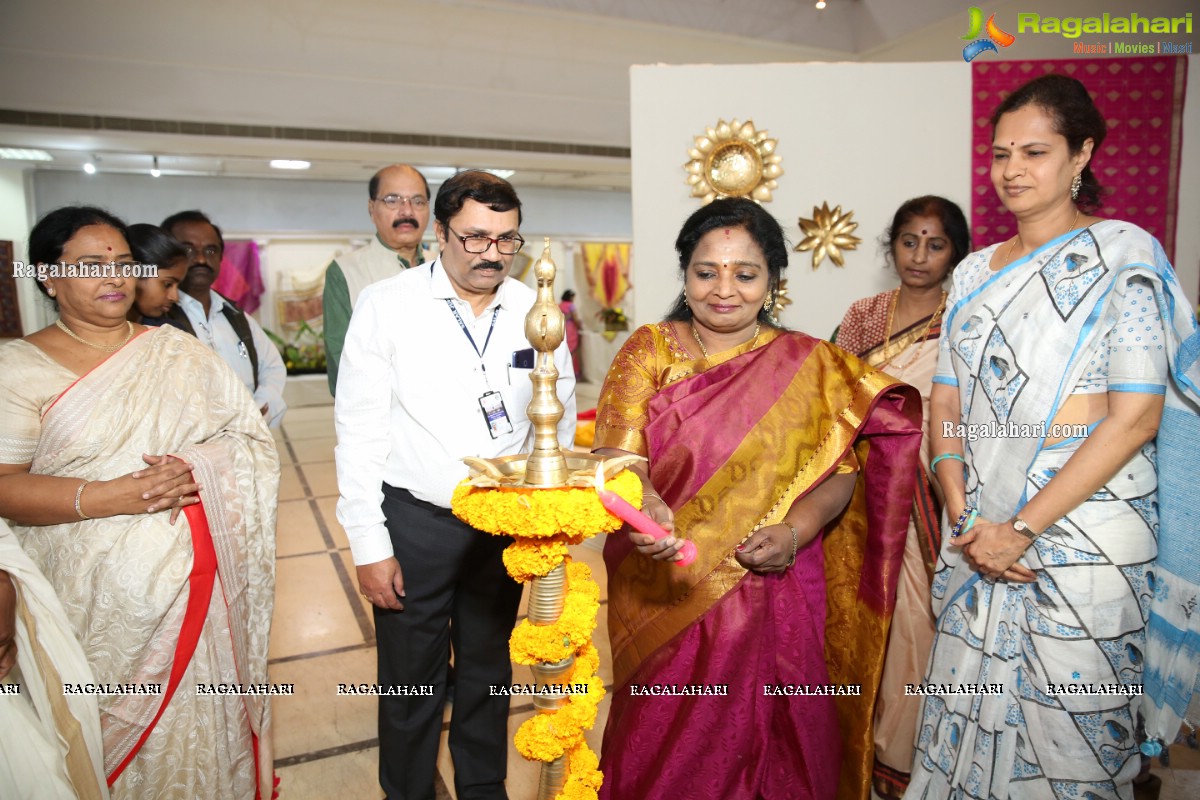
[
  {"x": 78, "y": 497},
  {"x": 795, "y": 541}
]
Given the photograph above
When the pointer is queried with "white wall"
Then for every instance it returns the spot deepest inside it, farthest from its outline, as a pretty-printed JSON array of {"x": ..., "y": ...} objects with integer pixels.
[{"x": 863, "y": 136}]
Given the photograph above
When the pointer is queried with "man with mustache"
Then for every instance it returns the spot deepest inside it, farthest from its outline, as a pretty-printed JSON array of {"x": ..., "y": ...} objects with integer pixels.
[
  {"x": 436, "y": 367},
  {"x": 399, "y": 207},
  {"x": 217, "y": 322}
]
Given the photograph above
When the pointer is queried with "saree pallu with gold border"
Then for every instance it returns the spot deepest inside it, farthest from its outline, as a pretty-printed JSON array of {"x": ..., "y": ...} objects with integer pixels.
[
  {"x": 910, "y": 355},
  {"x": 1108, "y": 615},
  {"x": 177, "y": 606},
  {"x": 733, "y": 441}
]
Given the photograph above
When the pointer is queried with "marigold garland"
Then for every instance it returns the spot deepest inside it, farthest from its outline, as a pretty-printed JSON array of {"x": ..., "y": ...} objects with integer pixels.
[
  {"x": 533, "y": 644},
  {"x": 543, "y": 513},
  {"x": 543, "y": 523},
  {"x": 526, "y": 559}
]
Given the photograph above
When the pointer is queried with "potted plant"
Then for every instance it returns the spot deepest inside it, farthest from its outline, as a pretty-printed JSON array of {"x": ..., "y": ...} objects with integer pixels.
[
  {"x": 305, "y": 355},
  {"x": 614, "y": 320}
]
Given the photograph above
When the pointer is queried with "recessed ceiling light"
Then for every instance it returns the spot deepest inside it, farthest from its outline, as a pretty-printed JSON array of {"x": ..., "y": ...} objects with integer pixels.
[
  {"x": 24, "y": 154},
  {"x": 287, "y": 163},
  {"x": 155, "y": 172},
  {"x": 89, "y": 168},
  {"x": 502, "y": 173}
]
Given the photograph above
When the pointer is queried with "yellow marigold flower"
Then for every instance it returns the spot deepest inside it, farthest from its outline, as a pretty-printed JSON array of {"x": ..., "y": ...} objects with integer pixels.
[
  {"x": 587, "y": 663},
  {"x": 582, "y": 759},
  {"x": 583, "y": 776},
  {"x": 536, "y": 739},
  {"x": 526, "y": 559}
]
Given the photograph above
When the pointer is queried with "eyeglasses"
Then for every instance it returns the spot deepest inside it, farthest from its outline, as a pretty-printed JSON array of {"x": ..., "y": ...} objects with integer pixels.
[
  {"x": 505, "y": 245},
  {"x": 397, "y": 200},
  {"x": 211, "y": 251}
]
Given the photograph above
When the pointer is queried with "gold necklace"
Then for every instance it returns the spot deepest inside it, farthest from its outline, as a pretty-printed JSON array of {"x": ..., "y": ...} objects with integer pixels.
[
  {"x": 108, "y": 348},
  {"x": 887, "y": 334},
  {"x": 704, "y": 349},
  {"x": 1017, "y": 238}
]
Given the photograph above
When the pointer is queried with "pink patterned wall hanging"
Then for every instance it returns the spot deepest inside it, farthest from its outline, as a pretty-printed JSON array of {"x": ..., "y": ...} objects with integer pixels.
[
  {"x": 241, "y": 275},
  {"x": 1138, "y": 164}
]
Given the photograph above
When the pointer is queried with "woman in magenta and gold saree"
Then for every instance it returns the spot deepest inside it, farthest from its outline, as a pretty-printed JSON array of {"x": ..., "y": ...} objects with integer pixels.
[
  {"x": 753, "y": 450},
  {"x": 159, "y": 604}
]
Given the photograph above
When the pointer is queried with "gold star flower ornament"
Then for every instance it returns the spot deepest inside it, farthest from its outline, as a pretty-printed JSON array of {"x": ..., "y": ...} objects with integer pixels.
[
  {"x": 733, "y": 159},
  {"x": 828, "y": 233}
]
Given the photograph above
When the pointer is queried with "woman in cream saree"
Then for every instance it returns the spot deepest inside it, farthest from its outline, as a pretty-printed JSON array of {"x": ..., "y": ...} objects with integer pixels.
[{"x": 155, "y": 604}]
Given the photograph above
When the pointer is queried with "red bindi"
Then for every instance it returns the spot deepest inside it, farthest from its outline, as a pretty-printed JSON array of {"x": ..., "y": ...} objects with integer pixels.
[
  {"x": 923, "y": 231},
  {"x": 109, "y": 249},
  {"x": 727, "y": 231}
]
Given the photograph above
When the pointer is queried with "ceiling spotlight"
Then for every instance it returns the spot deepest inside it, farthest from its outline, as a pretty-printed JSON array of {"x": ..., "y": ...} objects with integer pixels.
[
  {"x": 820, "y": 4},
  {"x": 155, "y": 172},
  {"x": 501, "y": 173},
  {"x": 286, "y": 163},
  {"x": 89, "y": 167}
]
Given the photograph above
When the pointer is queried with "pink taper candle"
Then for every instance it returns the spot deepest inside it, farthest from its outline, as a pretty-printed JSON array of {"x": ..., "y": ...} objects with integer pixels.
[{"x": 619, "y": 507}]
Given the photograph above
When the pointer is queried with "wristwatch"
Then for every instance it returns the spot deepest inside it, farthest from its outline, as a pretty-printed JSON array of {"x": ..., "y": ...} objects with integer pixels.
[{"x": 1022, "y": 527}]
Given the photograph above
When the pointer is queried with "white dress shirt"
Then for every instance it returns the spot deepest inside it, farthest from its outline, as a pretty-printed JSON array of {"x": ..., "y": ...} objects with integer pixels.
[
  {"x": 216, "y": 332},
  {"x": 408, "y": 396}
]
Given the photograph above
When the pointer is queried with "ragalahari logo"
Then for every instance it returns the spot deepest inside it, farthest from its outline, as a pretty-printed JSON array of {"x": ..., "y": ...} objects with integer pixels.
[{"x": 995, "y": 36}]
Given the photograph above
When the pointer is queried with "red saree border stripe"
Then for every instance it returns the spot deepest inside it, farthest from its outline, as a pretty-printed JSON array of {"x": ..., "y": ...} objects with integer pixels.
[
  {"x": 200, "y": 586},
  {"x": 75, "y": 382}
]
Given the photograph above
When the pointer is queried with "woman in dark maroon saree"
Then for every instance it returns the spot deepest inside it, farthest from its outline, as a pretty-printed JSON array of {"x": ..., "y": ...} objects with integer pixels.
[{"x": 753, "y": 451}]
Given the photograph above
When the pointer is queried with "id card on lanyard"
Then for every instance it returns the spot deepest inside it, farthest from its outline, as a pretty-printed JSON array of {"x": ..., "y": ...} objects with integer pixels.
[{"x": 491, "y": 403}]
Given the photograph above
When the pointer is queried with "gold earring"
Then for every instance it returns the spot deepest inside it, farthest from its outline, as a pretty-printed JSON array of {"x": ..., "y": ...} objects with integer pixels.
[
  {"x": 769, "y": 303},
  {"x": 1076, "y": 184}
]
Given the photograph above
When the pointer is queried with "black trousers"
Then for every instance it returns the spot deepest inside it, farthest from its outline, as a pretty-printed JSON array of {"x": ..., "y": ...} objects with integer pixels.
[{"x": 456, "y": 590}]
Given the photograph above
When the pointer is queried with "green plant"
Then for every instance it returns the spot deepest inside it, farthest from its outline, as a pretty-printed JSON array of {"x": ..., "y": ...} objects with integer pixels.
[{"x": 306, "y": 352}]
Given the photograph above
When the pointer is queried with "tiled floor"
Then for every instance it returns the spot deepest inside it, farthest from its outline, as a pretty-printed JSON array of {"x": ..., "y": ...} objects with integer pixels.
[{"x": 325, "y": 745}]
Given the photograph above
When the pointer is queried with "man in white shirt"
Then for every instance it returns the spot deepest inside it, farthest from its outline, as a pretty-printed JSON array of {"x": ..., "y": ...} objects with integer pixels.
[
  {"x": 436, "y": 367},
  {"x": 235, "y": 336},
  {"x": 399, "y": 207}
]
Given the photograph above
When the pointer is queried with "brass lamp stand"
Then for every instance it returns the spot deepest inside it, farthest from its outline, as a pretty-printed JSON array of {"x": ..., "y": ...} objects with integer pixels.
[{"x": 547, "y": 467}]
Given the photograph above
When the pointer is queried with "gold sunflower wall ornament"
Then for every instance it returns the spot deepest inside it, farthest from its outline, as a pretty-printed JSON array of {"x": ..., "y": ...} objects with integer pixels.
[
  {"x": 828, "y": 233},
  {"x": 733, "y": 159}
]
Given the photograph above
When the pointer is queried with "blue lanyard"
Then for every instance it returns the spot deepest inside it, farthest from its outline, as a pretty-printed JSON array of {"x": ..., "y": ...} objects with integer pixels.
[{"x": 467, "y": 332}]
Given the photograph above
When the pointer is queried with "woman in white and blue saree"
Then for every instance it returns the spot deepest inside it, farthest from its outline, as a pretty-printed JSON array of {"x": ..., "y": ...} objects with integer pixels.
[{"x": 1070, "y": 590}]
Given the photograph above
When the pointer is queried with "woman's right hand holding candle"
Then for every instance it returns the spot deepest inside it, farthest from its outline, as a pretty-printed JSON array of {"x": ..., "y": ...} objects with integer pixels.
[{"x": 667, "y": 549}]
